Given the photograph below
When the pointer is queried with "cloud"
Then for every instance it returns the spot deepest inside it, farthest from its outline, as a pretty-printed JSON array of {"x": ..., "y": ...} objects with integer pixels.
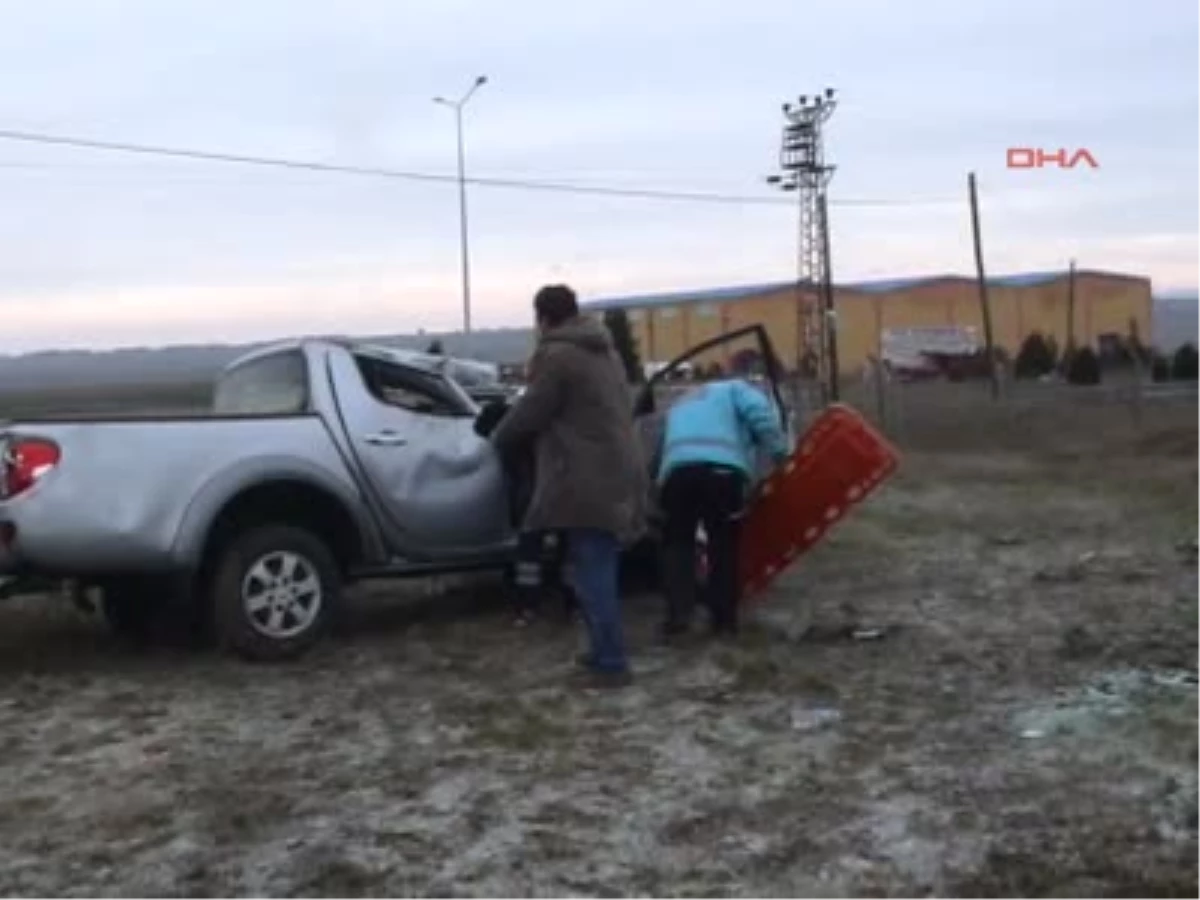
[{"x": 118, "y": 249}]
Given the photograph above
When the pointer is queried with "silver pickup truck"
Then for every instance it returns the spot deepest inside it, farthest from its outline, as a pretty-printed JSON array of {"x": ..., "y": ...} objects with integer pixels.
[{"x": 321, "y": 462}]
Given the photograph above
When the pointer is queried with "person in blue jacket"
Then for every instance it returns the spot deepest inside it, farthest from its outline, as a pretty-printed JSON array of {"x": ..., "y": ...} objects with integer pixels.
[{"x": 708, "y": 464}]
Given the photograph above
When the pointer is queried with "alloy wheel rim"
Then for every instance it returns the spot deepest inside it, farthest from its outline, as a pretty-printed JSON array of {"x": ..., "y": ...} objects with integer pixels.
[{"x": 281, "y": 595}]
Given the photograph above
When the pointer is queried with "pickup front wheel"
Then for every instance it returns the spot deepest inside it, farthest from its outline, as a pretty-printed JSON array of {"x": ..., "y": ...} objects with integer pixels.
[{"x": 275, "y": 592}]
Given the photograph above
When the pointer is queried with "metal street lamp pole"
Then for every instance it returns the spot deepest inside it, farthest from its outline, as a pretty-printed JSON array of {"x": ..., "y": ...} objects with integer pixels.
[{"x": 464, "y": 246}]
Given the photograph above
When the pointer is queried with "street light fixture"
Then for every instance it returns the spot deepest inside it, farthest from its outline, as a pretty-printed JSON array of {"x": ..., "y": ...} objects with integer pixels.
[{"x": 464, "y": 251}]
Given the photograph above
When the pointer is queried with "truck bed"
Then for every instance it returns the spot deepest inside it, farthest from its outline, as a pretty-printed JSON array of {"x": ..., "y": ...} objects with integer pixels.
[
  {"x": 129, "y": 489},
  {"x": 84, "y": 401}
]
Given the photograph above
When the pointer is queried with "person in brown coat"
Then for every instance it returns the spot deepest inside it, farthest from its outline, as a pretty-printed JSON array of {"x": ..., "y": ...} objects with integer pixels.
[{"x": 590, "y": 481}]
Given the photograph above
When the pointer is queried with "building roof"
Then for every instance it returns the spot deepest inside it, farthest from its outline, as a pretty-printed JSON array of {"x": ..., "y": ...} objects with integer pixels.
[{"x": 873, "y": 286}]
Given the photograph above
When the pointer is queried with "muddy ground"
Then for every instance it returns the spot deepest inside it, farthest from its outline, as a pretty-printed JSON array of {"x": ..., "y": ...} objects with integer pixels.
[{"x": 1016, "y": 716}]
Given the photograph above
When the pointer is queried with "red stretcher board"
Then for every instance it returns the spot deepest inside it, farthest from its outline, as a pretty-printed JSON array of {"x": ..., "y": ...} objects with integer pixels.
[{"x": 837, "y": 463}]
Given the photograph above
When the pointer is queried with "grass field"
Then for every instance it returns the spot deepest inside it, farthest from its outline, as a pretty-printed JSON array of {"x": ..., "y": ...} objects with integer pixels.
[{"x": 1024, "y": 723}]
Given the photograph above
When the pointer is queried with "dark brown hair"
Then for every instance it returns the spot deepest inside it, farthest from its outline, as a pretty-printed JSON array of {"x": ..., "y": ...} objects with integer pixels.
[{"x": 554, "y": 304}]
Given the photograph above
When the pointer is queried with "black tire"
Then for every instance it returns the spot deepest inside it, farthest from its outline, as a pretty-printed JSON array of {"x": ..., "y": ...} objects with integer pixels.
[{"x": 269, "y": 618}]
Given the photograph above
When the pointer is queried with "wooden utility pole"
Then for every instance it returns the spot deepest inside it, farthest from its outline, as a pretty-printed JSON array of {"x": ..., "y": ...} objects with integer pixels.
[
  {"x": 1070, "y": 348},
  {"x": 985, "y": 307},
  {"x": 829, "y": 312},
  {"x": 1139, "y": 374}
]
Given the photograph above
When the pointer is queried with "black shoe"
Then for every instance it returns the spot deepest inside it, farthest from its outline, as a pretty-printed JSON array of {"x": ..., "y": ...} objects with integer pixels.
[{"x": 585, "y": 661}]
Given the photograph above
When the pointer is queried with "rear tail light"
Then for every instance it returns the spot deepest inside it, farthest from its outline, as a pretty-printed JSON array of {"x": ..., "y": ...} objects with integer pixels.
[{"x": 23, "y": 461}]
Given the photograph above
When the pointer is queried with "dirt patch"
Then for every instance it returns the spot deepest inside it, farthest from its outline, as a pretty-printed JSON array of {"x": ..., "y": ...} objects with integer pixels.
[{"x": 983, "y": 683}]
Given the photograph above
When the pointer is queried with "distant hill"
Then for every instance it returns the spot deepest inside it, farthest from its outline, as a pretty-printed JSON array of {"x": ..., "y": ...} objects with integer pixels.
[
  {"x": 1176, "y": 320},
  {"x": 63, "y": 369}
]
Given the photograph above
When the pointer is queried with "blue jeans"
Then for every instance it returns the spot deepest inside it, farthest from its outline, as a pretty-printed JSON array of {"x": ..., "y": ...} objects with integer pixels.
[{"x": 594, "y": 558}]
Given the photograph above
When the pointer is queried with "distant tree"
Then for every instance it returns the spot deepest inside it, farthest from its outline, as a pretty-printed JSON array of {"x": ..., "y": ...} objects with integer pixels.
[
  {"x": 1185, "y": 363},
  {"x": 1111, "y": 351},
  {"x": 1036, "y": 357},
  {"x": 1160, "y": 368},
  {"x": 1063, "y": 364},
  {"x": 436, "y": 348},
  {"x": 715, "y": 371},
  {"x": 1118, "y": 351},
  {"x": 617, "y": 322},
  {"x": 1084, "y": 367}
]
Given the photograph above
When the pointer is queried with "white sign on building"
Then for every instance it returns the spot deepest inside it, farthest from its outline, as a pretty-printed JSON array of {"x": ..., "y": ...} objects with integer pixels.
[{"x": 902, "y": 347}]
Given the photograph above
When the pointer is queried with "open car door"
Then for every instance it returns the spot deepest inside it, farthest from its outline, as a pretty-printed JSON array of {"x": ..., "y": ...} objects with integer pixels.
[
  {"x": 657, "y": 394},
  {"x": 839, "y": 462}
]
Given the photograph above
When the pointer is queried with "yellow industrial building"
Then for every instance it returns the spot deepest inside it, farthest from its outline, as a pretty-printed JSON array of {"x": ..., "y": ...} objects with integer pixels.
[{"x": 1105, "y": 303}]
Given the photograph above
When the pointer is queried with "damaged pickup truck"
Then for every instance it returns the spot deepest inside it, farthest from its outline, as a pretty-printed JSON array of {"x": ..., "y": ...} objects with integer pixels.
[{"x": 321, "y": 462}]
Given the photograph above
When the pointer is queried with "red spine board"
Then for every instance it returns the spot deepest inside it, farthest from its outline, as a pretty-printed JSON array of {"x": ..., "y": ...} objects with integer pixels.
[{"x": 838, "y": 462}]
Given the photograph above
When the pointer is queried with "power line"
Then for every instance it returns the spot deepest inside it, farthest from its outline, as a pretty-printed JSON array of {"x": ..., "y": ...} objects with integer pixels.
[{"x": 428, "y": 177}]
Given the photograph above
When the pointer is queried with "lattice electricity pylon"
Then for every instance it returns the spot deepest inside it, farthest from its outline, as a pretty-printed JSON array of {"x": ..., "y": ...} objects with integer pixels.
[{"x": 803, "y": 170}]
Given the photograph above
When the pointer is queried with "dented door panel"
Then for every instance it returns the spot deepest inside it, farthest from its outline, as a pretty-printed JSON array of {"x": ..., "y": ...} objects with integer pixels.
[{"x": 440, "y": 487}]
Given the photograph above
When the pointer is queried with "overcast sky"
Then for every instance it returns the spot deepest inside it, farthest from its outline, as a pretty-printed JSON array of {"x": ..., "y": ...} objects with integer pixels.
[{"x": 103, "y": 249}]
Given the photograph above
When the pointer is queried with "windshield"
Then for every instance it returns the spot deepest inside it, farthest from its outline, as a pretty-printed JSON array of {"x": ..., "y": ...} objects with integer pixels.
[{"x": 273, "y": 385}]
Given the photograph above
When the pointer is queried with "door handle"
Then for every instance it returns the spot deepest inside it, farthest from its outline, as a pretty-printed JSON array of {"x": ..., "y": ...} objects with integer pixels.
[{"x": 386, "y": 439}]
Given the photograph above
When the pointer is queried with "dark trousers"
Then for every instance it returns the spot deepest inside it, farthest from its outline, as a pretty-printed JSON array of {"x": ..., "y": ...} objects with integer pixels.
[
  {"x": 713, "y": 496},
  {"x": 539, "y": 573}
]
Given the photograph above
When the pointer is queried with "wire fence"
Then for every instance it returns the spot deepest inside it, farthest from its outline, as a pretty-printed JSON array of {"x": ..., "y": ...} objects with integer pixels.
[{"x": 948, "y": 415}]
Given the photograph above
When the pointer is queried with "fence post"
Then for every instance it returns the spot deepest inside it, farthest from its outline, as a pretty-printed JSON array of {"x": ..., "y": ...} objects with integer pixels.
[
  {"x": 1139, "y": 374},
  {"x": 878, "y": 378},
  {"x": 981, "y": 276},
  {"x": 1136, "y": 399},
  {"x": 895, "y": 403}
]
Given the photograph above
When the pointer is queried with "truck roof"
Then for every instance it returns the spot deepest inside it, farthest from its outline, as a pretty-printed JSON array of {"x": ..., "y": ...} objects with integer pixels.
[
  {"x": 462, "y": 370},
  {"x": 270, "y": 350}
]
